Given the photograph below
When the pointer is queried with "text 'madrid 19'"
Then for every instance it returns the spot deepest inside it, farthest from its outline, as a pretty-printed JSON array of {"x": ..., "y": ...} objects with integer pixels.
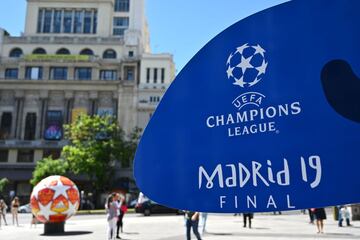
[{"x": 265, "y": 117}]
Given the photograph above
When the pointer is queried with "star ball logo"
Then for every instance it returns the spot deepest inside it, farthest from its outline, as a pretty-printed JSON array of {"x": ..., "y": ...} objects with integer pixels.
[{"x": 246, "y": 67}]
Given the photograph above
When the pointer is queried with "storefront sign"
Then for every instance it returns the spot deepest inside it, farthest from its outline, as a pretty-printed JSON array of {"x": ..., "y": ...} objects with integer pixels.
[{"x": 265, "y": 117}]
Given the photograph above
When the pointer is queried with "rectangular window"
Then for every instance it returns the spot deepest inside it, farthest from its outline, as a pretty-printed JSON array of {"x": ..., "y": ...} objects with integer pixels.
[
  {"x": 155, "y": 75},
  {"x": 78, "y": 23},
  {"x": 120, "y": 25},
  {"x": 60, "y": 20},
  {"x": 54, "y": 153},
  {"x": 11, "y": 73},
  {"x": 40, "y": 20},
  {"x": 147, "y": 75},
  {"x": 25, "y": 156},
  {"x": 47, "y": 21},
  {"x": 58, "y": 73},
  {"x": 162, "y": 75},
  {"x": 33, "y": 73},
  {"x": 4, "y": 155},
  {"x": 30, "y": 126},
  {"x": 67, "y": 22},
  {"x": 57, "y": 21},
  {"x": 108, "y": 75},
  {"x": 121, "y": 6},
  {"x": 83, "y": 73},
  {"x": 129, "y": 73},
  {"x": 5, "y": 127},
  {"x": 95, "y": 22},
  {"x": 87, "y": 22}
]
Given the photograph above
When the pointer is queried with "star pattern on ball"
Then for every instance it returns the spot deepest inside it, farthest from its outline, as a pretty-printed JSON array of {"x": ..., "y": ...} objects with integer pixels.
[
  {"x": 54, "y": 199},
  {"x": 247, "y": 65},
  {"x": 46, "y": 211},
  {"x": 60, "y": 188}
]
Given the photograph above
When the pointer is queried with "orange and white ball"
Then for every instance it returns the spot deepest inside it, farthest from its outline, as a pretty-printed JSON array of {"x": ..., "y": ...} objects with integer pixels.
[{"x": 54, "y": 199}]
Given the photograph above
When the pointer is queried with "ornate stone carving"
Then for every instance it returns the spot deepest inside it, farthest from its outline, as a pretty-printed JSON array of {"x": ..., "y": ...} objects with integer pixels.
[
  {"x": 32, "y": 99},
  {"x": 56, "y": 99},
  {"x": 105, "y": 99},
  {"x": 7, "y": 98},
  {"x": 81, "y": 100}
]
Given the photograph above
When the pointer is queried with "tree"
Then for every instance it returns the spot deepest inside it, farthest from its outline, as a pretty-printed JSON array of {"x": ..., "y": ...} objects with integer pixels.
[
  {"x": 47, "y": 167},
  {"x": 96, "y": 144},
  {"x": 3, "y": 183}
]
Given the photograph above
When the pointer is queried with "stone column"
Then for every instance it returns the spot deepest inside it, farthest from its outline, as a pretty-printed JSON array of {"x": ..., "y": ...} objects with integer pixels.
[
  {"x": 93, "y": 96},
  {"x": 69, "y": 95},
  {"x": 19, "y": 95},
  {"x": 44, "y": 106}
]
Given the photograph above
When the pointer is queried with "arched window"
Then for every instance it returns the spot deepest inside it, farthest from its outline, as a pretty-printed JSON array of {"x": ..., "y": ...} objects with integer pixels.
[
  {"x": 39, "y": 51},
  {"x": 63, "y": 51},
  {"x": 109, "y": 54},
  {"x": 15, "y": 53},
  {"x": 86, "y": 51}
]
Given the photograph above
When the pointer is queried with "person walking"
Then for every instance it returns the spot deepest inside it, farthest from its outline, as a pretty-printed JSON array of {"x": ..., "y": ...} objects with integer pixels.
[
  {"x": 202, "y": 223},
  {"x": 192, "y": 221},
  {"x": 345, "y": 214},
  {"x": 111, "y": 210},
  {"x": 15, "y": 204},
  {"x": 320, "y": 216},
  {"x": 33, "y": 221},
  {"x": 248, "y": 216},
  {"x": 123, "y": 210},
  {"x": 311, "y": 216},
  {"x": 3, "y": 209}
]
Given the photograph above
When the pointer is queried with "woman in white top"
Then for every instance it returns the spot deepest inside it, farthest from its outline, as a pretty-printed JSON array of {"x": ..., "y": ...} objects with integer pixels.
[{"x": 111, "y": 215}]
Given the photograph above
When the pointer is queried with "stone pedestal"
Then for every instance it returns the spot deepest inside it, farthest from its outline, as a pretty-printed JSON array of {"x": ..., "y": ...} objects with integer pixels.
[{"x": 54, "y": 228}]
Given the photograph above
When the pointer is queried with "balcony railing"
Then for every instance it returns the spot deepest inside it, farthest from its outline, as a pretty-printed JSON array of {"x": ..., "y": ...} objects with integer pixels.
[
  {"x": 34, "y": 144},
  {"x": 63, "y": 40}
]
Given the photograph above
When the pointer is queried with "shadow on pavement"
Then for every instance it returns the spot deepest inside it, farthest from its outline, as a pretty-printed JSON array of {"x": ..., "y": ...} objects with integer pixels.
[
  {"x": 68, "y": 233},
  {"x": 219, "y": 234},
  {"x": 131, "y": 233}
]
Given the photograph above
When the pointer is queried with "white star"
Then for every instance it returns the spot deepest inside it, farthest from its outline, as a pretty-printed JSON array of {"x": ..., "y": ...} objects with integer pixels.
[
  {"x": 262, "y": 68},
  {"x": 259, "y": 49},
  {"x": 229, "y": 71},
  {"x": 72, "y": 209},
  {"x": 60, "y": 189},
  {"x": 254, "y": 82},
  {"x": 240, "y": 82},
  {"x": 229, "y": 59},
  {"x": 245, "y": 63},
  {"x": 241, "y": 48},
  {"x": 45, "y": 211}
]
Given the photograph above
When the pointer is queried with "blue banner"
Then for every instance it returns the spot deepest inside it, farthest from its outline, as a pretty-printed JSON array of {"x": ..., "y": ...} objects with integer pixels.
[
  {"x": 265, "y": 117},
  {"x": 53, "y": 128}
]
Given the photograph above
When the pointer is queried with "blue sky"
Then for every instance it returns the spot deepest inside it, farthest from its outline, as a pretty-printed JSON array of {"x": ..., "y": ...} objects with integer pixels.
[{"x": 179, "y": 27}]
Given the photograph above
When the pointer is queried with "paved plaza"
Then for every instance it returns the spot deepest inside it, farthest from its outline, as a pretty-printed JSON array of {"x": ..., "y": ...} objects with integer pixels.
[{"x": 289, "y": 225}]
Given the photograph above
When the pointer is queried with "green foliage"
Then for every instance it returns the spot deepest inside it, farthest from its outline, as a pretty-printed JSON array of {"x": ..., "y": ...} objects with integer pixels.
[
  {"x": 48, "y": 167},
  {"x": 3, "y": 183},
  {"x": 96, "y": 144}
]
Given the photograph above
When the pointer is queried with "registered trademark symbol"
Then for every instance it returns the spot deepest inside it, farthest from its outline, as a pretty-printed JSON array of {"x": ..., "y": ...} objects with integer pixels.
[{"x": 277, "y": 131}]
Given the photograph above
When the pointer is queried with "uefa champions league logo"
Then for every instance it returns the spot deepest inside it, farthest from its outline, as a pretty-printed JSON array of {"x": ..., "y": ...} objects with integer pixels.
[{"x": 247, "y": 65}]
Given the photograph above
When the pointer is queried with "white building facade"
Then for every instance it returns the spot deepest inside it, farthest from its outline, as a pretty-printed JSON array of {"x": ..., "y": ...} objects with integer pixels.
[{"x": 75, "y": 56}]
